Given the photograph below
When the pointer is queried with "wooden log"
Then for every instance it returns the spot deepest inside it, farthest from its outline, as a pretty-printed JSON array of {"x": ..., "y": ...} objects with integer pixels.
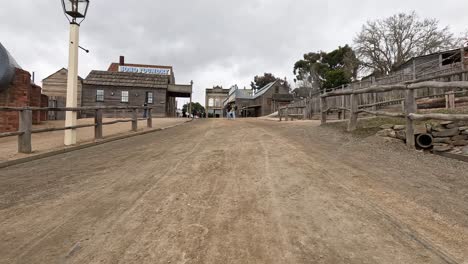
[
  {"x": 382, "y": 113},
  {"x": 149, "y": 122},
  {"x": 444, "y": 117},
  {"x": 382, "y": 103},
  {"x": 401, "y": 86},
  {"x": 10, "y": 134},
  {"x": 134, "y": 120},
  {"x": 372, "y": 89},
  {"x": 53, "y": 129},
  {"x": 323, "y": 110},
  {"x": 439, "y": 85},
  {"x": 353, "y": 118},
  {"x": 410, "y": 108},
  {"x": 25, "y": 126},
  {"x": 98, "y": 128},
  {"x": 117, "y": 121},
  {"x": 74, "y": 109}
]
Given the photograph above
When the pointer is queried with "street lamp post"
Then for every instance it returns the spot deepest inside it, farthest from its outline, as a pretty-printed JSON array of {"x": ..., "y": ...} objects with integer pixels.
[
  {"x": 190, "y": 104},
  {"x": 74, "y": 10}
]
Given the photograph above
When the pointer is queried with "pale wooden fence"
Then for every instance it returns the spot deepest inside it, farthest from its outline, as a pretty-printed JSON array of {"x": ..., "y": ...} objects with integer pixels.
[
  {"x": 408, "y": 89},
  {"x": 377, "y": 100},
  {"x": 26, "y": 130}
]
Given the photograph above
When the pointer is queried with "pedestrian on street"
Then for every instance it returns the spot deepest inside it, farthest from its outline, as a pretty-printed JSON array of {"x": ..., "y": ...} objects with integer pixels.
[{"x": 145, "y": 111}]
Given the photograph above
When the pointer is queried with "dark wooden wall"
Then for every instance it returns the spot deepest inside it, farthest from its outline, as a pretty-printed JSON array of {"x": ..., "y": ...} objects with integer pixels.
[{"x": 137, "y": 97}]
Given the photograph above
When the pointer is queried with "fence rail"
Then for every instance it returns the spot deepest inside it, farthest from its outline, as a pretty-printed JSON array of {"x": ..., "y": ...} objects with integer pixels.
[
  {"x": 25, "y": 122},
  {"x": 410, "y": 105}
]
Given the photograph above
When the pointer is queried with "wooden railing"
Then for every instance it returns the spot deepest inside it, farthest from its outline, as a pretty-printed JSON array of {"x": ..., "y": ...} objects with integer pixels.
[
  {"x": 410, "y": 106},
  {"x": 291, "y": 112},
  {"x": 26, "y": 128}
]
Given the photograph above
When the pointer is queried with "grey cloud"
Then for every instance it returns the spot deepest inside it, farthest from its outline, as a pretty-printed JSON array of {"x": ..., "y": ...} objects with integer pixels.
[{"x": 210, "y": 41}]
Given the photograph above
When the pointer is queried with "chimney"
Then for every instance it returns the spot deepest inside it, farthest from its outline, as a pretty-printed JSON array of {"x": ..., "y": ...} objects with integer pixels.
[{"x": 122, "y": 60}]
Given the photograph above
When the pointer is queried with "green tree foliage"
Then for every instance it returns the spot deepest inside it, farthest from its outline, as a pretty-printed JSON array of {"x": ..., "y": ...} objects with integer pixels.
[
  {"x": 196, "y": 107},
  {"x": 327, "y": 70},
  {"x": 261, "y": 81}
]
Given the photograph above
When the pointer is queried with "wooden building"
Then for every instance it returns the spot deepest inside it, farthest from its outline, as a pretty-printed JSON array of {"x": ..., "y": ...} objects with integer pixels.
[
  {"x": 134, "y": 85},
  {"x": 265, "y": 101},
  {"x": 214, "y": 98},
  {"x": 428, "y": 66},
  {"x": 55, "y": 87}
]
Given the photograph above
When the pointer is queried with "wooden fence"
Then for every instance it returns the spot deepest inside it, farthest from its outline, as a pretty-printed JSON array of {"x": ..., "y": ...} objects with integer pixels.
[
  {"x": 407, "y": 89},
  {"x": 26, "y": 130},
  {"x": 376, "y": 100}
]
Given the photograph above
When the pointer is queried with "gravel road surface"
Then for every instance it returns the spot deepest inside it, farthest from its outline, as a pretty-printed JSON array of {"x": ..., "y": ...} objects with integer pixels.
[{"x": 244, "y": 191}]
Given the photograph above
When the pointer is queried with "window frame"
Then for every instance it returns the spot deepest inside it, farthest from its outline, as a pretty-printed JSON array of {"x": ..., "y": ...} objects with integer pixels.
[
  {"x": 122, "y": 96},
  {"x": 98, "y": 96},
  {"x": 148, "y": 97}
]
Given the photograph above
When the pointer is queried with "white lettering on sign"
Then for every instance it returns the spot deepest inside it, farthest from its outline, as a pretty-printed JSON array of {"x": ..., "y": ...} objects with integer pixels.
[{"x": 158, "y": 71}]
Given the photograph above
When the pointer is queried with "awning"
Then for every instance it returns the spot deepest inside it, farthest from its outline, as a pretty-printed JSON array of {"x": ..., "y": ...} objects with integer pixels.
[{"x": 178, "y": 90}]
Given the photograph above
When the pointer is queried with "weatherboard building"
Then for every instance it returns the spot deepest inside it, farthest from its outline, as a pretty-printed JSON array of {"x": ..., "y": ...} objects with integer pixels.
[{"x": 134, "y": 85}]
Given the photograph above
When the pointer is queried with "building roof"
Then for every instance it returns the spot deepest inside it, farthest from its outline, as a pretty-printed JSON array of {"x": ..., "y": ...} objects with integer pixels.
[
  {"x": 115, "y": 66},
  {"x": 431, "y": 54},
  {"x": 126, "y": 79},
  {"x": 63, "y": 69},
  {"x": 264, "y": 89}
]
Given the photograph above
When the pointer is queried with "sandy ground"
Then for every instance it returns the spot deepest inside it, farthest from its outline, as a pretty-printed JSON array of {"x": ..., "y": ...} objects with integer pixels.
[
  {"x": 244, "y": 191},
  {"x": 44, "y": 142}
]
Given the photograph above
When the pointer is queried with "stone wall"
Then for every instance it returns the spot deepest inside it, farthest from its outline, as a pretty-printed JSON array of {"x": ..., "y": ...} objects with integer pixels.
[{"x": 447, "y": 136}]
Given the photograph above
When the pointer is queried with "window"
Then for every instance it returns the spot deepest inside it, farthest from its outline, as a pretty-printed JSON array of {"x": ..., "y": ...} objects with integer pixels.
[
  {"x": 276, "y": 89},
  {"x": 124, "y": 97},
  {"x": 99, "y": 95},
  {"x": 210, "y": 102},
  {"x": 149, "y": 97},
  {"x": 217, "y": 102}
]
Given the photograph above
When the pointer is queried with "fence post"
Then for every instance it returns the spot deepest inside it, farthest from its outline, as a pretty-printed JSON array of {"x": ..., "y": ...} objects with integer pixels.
[
  {"x": 134, "y": 119},
  {"x": 287, "y": 114},
  {"x": 343, "y": 104},
  {"x": 25, "y": 126},
  {"x": 353, "y": 118},
  {"x": 98, "y": 122},
  {"x": 374, "y": 99},
  {"x": 279, "y": 114},
  {"x": 323, "y": 110},
  {"x": 450, "y": 100},
  {"x": 149, "y": 121},
  {"x": 410, "y": 108}
]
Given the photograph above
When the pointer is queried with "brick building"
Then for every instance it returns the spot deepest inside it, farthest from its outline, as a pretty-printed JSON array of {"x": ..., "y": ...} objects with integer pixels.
[
  {"x": 134, "y": 85},
  {"x": 214, "y": 98},
  {"x": 17, "y": 90}
]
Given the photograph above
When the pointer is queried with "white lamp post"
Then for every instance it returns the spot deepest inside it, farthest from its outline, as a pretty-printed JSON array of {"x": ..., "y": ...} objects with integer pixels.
[{"x": 74, "y": 10}]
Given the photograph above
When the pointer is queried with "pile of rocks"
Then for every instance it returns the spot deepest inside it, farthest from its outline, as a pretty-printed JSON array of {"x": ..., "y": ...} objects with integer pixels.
[
  {"x": 450, "y": 136},
  {"x": 447, "y": 136}
]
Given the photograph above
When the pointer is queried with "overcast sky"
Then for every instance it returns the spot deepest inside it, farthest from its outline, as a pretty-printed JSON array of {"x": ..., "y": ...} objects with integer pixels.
[{"x": 212, "y": 42}]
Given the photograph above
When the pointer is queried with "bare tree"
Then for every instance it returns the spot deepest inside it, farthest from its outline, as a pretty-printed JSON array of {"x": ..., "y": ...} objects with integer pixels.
[{"x": 384, "y": 44}]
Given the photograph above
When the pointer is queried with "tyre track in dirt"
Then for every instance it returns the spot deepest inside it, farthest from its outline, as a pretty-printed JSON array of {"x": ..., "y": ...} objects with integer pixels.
[{"x": 218, "y": 191}]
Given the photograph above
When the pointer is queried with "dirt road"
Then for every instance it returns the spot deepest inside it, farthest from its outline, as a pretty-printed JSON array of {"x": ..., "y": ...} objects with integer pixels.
[{"x": 244, "y": 191}]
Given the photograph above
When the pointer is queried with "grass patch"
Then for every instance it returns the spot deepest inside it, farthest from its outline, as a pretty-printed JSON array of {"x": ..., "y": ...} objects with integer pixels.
[{"x": 461, "y": 110}]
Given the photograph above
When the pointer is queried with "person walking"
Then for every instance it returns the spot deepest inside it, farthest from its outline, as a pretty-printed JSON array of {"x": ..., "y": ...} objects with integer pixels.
[
  {"x": 234, "y": 112},
  {"x": 145, "y": 111},
  {"x": 228, "y": 112}
]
